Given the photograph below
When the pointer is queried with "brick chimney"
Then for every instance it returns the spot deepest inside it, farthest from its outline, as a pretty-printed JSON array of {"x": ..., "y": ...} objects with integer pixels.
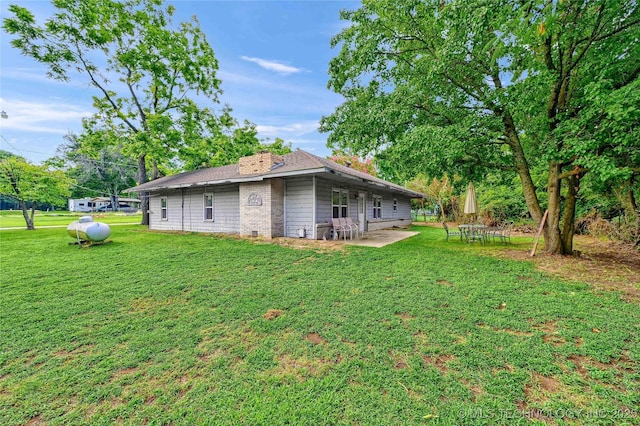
[{"x": 259, "y": 163}]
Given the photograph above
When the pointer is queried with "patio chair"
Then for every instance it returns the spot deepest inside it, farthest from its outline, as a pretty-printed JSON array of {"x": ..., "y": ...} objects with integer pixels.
[
  {"x": 496, "y": 232},
  {"x": 338, "y": 228},
  {"x": 451, "y": 233},
  {"x": 354, "y": 226},
  {"x": 505, "y": 236}
]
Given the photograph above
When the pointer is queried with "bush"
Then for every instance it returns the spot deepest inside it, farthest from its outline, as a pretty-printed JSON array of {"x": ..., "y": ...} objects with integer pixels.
[{"x": 622, "y": 228}]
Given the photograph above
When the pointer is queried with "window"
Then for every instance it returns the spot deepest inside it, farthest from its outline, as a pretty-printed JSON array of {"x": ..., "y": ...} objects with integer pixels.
[
  {"x": 339, "y": 202},
  {"x": 163, "y": 208},
  {"x": 395, "y": 205},
  {"x": 377, "y": 207},
  {"x": 208, "y": 207}
]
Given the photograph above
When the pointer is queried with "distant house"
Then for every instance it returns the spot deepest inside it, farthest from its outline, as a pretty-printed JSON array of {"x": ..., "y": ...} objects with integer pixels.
[{"x": 272, "y": 196}]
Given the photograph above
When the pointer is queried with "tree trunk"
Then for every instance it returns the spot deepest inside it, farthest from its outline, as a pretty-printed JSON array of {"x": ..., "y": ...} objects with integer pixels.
[
  {"x": 28, "y": 219},
  {"x": 569, "y": 215},
  {"x": 552, "y": 238},
  {"x": 522, "y": 168},
  {"x": 144, "y": 196},
  {"x": 155, "y": 172}
]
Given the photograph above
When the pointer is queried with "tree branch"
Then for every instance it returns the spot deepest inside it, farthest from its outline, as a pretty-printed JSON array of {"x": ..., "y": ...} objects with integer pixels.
[
  {"x": 104, "y": 91},
  {"x": 143, "y": 116}
]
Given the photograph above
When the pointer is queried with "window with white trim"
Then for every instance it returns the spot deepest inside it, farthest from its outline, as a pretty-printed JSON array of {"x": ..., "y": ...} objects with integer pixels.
[
  {"x": 163, "y": 208},
  {"x": 395, "y": 205},
  {"x": 339, "y": 203},
  {"x": 208, "y": 207},
  {"x": 377, "y": 207}
]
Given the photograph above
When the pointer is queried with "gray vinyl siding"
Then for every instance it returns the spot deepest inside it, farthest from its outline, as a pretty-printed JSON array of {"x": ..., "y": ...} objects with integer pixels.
[
  {"x": 174, "y": 214},
  {"x": 404, "y": 206},
  {"x": 323, "y": 200},
  {"x": 226, "y": 202},
  {"x": 324, "y": 190},
  {"x": 298, "y": 206}
]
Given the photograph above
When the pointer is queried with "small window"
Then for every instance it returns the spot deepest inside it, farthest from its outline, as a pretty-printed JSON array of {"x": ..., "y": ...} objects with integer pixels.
[
  {"x": 208, "y": 207},
  {"x": 395, "y": 205},
  {"x": 339, "y": 203},
  {"x": 163, "y": 208},
  {"x": 377, "y": 207}
]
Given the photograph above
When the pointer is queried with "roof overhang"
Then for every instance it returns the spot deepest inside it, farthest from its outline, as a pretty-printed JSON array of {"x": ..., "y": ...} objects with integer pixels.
[{"x": 306, "y": 172}]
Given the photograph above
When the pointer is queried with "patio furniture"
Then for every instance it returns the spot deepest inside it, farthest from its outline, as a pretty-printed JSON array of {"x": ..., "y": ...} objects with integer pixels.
[
  {"x": 347, "y": 228},
  {"x": 338, "y": 228},
  {"x": 505, "y": 237},
  {"x": 353, "y": 226},
  {"x": 451, "y": 233},
  {"x": 474, "y": 232},
  {"x": 495, "y": 231}
]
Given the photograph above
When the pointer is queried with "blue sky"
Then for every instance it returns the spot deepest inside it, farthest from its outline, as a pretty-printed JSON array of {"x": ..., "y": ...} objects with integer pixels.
[{"x": 273, "y": 61}]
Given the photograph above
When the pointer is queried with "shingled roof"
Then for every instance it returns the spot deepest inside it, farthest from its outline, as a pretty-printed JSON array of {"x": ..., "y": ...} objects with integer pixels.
[{"x": 295, "y": 163}]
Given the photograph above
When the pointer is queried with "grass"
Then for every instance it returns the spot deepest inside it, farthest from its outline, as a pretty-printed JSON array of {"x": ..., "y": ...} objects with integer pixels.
[
  {"x": 14, "y": 219},
  {"x": 195, "y": 329}
]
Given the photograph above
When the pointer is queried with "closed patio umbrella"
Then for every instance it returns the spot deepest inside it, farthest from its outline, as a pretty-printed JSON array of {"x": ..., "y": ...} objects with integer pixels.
[{"x": 471, "y": 203}]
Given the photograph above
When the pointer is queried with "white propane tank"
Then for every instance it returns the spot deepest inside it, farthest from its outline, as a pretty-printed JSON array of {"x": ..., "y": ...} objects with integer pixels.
[{"x": 85, "y": 229}]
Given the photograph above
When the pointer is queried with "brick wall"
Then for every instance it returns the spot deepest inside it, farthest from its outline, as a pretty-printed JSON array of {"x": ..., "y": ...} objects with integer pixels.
[
  {"x": 262, "y": 208},
  {"x": 259, "y": 163}
]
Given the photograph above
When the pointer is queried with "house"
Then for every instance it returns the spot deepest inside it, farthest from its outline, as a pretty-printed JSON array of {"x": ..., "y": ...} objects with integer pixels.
[{"x": 267, "y": 195}]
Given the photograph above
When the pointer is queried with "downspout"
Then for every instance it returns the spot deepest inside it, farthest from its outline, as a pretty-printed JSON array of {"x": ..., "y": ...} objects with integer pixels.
[
  {"x": 284, "y": 207},
  {"x": 313, "y": 214},
  {"x": 182, "y": 210}
]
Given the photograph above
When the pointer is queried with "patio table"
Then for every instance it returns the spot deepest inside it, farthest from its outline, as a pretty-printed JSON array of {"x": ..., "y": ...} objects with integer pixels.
[{"x": 473, "y": 232}]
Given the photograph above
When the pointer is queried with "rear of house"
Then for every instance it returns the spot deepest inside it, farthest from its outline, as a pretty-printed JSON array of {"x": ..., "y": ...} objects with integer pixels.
[{"x": 265, "y": 195}]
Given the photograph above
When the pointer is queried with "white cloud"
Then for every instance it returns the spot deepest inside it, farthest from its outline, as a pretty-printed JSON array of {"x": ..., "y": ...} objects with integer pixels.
[
  {"x": 289, "y": 130},
  {"x": 42, "y": 117},
  {"x": 274, "y": 66}
]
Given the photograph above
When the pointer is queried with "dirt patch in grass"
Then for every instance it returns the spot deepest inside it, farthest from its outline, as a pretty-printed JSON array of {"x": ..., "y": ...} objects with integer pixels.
[
  {"x": 306, "y": 244},
  {"x": 124, "y": 372},
  {"x": 272, "y": 314},
  {"x": 34, "y": 421},
  {"x": 405, "y": 316},
  {"x": 538, "y": 391},
  {"x": 301, "y": 367},
  {"x": 439, "y": 361},
  {"x": 398, "y": 360},
  {"x": 605, "y": 265},
  {"x": 316, "y": 339},
  {"x": 550, "y": 336},
  {"x": 512, "y": 331}
]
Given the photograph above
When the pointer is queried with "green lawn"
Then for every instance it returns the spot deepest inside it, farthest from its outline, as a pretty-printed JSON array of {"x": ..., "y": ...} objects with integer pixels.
[
  {"x": 195, "y": 329},
  {"x": 12, "y": 219}
]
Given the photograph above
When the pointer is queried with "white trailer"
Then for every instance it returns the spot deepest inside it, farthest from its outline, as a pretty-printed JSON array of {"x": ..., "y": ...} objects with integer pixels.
[{"x": 84, "y": 205}]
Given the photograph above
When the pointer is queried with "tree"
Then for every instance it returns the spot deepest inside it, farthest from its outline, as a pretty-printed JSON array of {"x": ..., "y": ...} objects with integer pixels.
[
  {"x": 225, "y": 144},
  {"x": 353, "y": 161},
  {"x": 96, "y": 163},
  {"x": 468, "y": 87},
  {"x": 146, "y": 74},
  {"x": 30, "y": 184}
]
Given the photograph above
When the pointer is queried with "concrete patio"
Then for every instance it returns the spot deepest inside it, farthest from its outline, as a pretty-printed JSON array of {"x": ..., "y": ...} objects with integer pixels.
[{"x": 380, "y": 238}]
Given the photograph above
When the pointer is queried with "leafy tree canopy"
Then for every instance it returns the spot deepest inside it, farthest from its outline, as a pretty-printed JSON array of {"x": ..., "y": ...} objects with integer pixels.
[
  {"x": 149, "y": 76},
  {"x": 468, "y": 87},
  {"x": 31, "y": 184}
]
